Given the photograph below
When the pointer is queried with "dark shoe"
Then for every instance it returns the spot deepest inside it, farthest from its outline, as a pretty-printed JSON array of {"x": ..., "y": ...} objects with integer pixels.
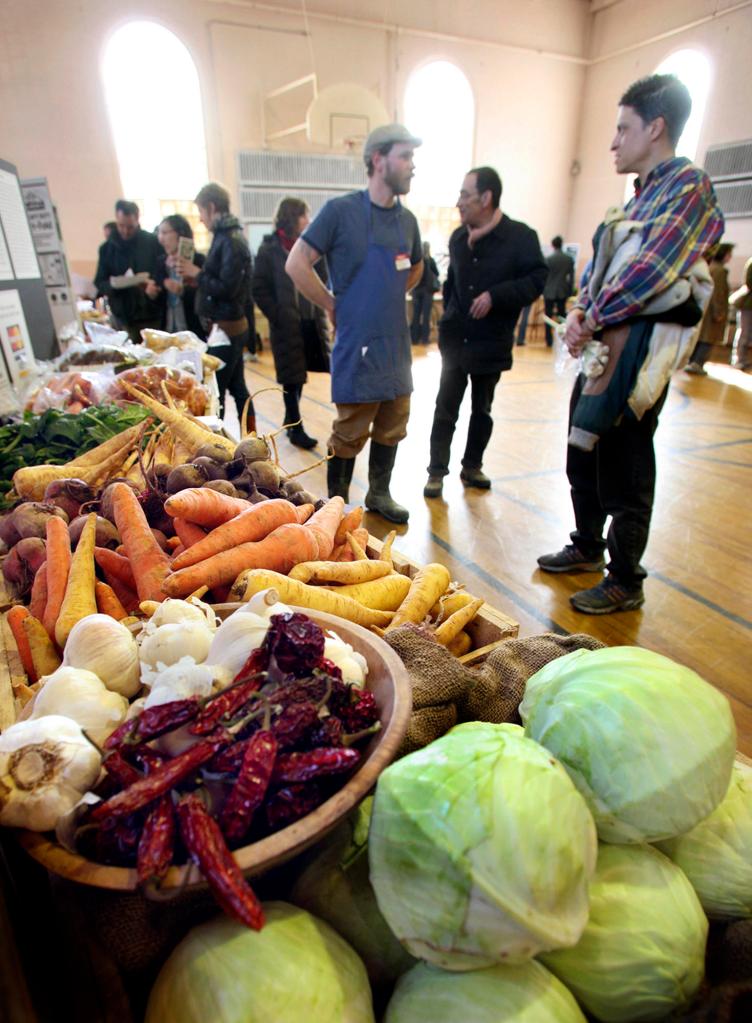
[
  {"x": 695, "y": 369},
  {"x": 338, "y": 476},
  {"x": 606, "y": 597},
  {"x": 301, "y": 439},
  {"x": 570, "y": 559},
  {"x": 378, "y": 499},
  {"x": 433, "y": 487},
  {"x": 475, "y": 478}
]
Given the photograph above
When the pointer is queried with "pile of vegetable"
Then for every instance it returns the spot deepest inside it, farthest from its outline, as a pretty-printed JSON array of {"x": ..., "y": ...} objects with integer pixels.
[
  {"x": 245, "y": 728},
  {"x": 514, "y": 864}
]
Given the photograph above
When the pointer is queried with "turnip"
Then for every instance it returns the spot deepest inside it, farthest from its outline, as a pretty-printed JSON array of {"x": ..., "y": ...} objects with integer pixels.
[
  {"x": 214, "y": 470},
  {"x": 30, "y": 518},
  {"x": 216, "y": 452},
  {"x": 105, "y": 498},
  {"x": 69, "y": 495},
  {"x": 106, "y": 534},
  {"x": 224, "y": 487},
  {"x": 184, "y": 476},
  {"x": 21, "y": 565},
  {"x": 253, "y": 449}
]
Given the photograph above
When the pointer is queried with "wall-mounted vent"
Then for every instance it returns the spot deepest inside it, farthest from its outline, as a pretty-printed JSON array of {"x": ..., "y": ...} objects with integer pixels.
[
  {"x": 731, "y": 160},
  {"x": 734, "y": 198},
  {"x": 257, "y": 205},
  {"x": 306, "y": 170}
]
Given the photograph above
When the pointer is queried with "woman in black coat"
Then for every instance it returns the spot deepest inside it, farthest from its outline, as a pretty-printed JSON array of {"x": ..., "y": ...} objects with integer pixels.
[
  {"x": 179, "y": 310},
  {"x": 296, "y": 325}
]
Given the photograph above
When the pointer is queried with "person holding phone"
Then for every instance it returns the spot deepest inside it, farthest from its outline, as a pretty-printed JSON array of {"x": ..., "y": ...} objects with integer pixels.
[{"x": 180, "y": 305}]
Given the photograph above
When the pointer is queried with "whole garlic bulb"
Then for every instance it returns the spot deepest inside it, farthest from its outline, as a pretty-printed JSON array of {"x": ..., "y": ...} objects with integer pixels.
[
  {"x": 80, "y": 695},
  {"x": 102, "y": 645},
  {"x": 46, "y": 765},
  {"x": 167, "y": 644}
]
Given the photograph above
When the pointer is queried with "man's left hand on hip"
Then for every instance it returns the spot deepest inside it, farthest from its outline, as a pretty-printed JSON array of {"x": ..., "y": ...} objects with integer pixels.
[{"x": 481, "y": 306}]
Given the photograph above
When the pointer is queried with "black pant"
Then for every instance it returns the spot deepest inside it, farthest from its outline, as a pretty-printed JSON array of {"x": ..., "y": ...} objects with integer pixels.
[
  {"x": 448, "y": 400},
  {"x": 554, "y": 307},
  {"x": 616, "y": 478},
  {"x": 231, "y": 377},
  {"x": 701, "y": 353},
  {"x": 291, "y": 396},
  {"x": 420, "y": 326}
]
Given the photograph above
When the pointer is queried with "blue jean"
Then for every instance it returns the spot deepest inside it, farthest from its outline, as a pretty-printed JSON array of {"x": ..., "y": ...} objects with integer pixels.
[{"x": 451, "y": 391}]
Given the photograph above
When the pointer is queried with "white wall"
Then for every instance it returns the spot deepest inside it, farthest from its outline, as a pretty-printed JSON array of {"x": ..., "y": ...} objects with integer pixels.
[
  {"x": 725, "y": 40},
  {"x": 53, "y": 120}
]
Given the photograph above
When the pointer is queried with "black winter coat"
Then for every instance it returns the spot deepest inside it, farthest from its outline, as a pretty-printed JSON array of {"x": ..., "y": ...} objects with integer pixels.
[
  {"x": 507, "y": 263},
  {"x": 140, "y": 253},
  {"x": 224, "y": 285},
  {"x": 285, "y": 309}
]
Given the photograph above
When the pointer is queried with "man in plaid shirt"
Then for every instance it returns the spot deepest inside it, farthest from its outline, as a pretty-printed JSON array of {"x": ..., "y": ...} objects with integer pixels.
[{"x": 675, "y": 202}]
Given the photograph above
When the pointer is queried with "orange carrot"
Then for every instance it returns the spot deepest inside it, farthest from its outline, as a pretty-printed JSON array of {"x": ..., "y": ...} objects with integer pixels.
[
  {"x": 58, "y": 560},
  {"x": 178, "y": 550},
  {"x": 108, "y": 603},
  {"x": 346, "y": 552},
  {"x": 127, "y": 597},
  {"x": 115, "y": 564},
  {"x": 149, "y": 562},
  {"x": 204, "y": 506},
  {"x": 284, "y": 547},
  {"x": 305, "y": 511},
  {"x": 174, "y": 542},
  {"x": 120, "y": 549},
  {"x": 79, "y": 600},
  {"x": 38, "y": 601},
  {"x": 324, "y": 524},
  {"x": 254, "y": 524},
  {"x": 188, "y": 532},
  {"x": 349, "y": 524},
  {"x": 16, "y": 617}
]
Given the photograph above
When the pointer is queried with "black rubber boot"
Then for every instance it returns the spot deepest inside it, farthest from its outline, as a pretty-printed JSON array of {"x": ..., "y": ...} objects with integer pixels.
[
  {"x": 295, "y": 432},
  {"x": 338, "y": 476},
  {"x": 378, "y": 498}
]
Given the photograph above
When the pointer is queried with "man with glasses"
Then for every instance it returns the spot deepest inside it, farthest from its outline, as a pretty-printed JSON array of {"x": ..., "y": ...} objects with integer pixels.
[{"x": 496, "y": 268}]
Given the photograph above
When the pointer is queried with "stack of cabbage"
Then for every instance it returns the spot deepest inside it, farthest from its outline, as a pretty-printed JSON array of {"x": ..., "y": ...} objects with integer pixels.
[{"x": 519, "y": 866}]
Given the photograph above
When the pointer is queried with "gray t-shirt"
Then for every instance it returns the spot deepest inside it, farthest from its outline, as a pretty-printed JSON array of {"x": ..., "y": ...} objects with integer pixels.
[{"x": 340, "y": 232}]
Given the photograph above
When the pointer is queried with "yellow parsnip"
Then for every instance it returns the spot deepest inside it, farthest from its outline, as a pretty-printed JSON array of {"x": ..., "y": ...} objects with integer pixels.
[
  {"x": 385, "y": 594},
  {"x": 80, "y": 597},
  {"x": 345, "y": 572},
  {"x": 426, "y": 588}
]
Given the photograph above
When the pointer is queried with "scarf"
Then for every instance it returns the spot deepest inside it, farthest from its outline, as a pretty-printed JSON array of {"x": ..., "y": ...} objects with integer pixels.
[
  {"x": 285, "y": 242},
  {"x": 475, "y": 233}
]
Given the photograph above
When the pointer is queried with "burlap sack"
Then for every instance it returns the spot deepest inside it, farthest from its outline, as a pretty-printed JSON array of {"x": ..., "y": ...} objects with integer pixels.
[{"x": 446, "y": 692}]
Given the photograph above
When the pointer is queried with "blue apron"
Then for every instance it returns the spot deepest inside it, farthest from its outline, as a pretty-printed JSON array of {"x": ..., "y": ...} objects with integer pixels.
[{"x": 371, "y": 356}]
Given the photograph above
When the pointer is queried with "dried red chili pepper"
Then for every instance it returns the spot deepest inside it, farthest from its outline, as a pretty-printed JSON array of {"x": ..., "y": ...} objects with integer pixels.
[
  {"x": 157, "y": 842},
  {"x": 147, "y": 758},
  {"x": 229, "y": 760},
  {"x": 117, "y": 841},
  {"x": 328, "y": 732},
  {"x": 360, "y": 712},
  {"x": 120, "y": 770},
  {"x": 225, "y": 705},
  {"x": 258, "y": 661},
  {"x": 289, "y": 804},
  {"x": 161, "y": 780},
  {"x": 207, "y": 848},
  {"x": 253, "y": 780},
  {"x": 300, "y": 767},
  {"x": 294, "y": 642},
  {"x": 293, "y": 722},
  {"x": 153, "y": 722}
]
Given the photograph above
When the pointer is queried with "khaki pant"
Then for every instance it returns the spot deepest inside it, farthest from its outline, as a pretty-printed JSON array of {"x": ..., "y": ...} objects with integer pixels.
[{"x": 384, "y": 421}]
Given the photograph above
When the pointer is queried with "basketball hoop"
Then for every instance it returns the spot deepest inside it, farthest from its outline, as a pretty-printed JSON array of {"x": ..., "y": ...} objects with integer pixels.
[{"x": 353, "y": 143}]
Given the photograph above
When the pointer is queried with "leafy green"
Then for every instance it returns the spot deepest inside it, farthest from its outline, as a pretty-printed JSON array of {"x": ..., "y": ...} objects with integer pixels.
[{"x": 55, "y": 437}]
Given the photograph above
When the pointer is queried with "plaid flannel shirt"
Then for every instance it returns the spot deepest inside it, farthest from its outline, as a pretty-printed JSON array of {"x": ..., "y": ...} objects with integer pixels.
[{"x": 682, "y": 220}]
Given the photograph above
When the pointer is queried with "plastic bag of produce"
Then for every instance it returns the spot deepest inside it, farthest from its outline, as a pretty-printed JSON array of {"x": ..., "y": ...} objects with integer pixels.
[
  {"x": 295, "y": 970},
  {"x": 642, "y": 953},
  {"x": 648, "y": 743},
  {"x": 481, "y": 849}
]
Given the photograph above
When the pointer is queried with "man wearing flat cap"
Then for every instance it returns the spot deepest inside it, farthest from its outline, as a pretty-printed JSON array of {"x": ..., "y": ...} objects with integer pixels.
[{"x": 374, "y": 255}]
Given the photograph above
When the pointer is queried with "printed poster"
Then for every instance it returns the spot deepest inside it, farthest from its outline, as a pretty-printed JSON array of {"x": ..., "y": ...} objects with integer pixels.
[{"x": 16, "y": 342}]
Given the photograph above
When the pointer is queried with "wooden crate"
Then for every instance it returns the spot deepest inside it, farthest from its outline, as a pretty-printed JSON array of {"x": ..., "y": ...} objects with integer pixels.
[{"x": 489, "y": 627}]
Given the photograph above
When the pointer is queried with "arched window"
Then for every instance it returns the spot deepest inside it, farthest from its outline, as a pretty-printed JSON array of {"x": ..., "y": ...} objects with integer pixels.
[
  {"x": 153, "y": 99},
  {"x": 693, "y": 69},
  {"x": 439, "y": 107}
]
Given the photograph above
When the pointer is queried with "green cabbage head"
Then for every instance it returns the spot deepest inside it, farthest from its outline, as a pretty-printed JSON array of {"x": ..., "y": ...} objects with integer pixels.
[
  {"x": 481, "y": 849},
  {"x": 295, "y": 970},
  {"x": 648, "y": 743},
  {"x": 716, "y": 855},
  {"x": 642, "y": 954},
  {"x": 516, "y": 993}
]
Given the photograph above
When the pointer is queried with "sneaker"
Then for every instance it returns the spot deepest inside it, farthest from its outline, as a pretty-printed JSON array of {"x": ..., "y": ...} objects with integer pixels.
[
  {"x": 570, "y": 559},
  {"x": 433, "y": 487},
  {"x": 475, "y": 478},
  {"x": 695, "y": 369},
  {"x": 607, "y": 596}
]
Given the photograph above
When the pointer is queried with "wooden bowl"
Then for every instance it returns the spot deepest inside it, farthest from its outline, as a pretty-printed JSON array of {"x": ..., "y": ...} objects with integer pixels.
[{"x": 387, "y": 678}]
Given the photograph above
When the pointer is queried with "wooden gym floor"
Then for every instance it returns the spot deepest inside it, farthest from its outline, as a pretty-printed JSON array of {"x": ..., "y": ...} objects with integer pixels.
[{"x": 698, "y": 607}]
